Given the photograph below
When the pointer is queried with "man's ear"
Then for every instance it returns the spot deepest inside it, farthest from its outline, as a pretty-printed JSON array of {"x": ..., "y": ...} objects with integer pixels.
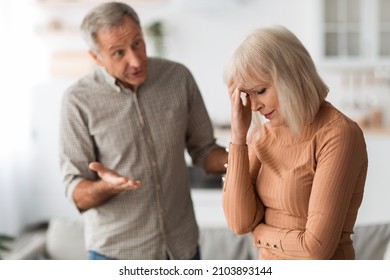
[{"x": 95, "y": 58}]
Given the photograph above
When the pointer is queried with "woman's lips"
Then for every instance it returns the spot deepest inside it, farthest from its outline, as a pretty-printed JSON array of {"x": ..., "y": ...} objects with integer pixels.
[{"x": 269, "y": 115}]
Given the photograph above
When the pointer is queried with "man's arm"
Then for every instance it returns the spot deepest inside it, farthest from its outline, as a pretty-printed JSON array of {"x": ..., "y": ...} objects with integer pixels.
[
  {"x": 216, "y": 160},
  {"x": 89, "y": 193}
]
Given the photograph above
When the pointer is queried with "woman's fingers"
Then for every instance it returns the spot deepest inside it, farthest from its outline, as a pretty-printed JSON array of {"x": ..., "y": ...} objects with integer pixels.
[
  {"x": 231, "y": 89},
  {"x": 239, "y": 116},
  {"x": 236, "y": 98}
]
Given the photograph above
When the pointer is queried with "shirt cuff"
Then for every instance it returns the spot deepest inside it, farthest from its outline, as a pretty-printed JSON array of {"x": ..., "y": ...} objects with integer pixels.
[
  {"x": 237, "y": 148},
  {"x": 70, "y": 187}
]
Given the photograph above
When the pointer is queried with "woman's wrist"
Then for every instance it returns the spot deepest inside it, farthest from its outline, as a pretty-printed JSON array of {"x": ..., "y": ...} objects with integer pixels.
[{"x": 238, "y": 141}]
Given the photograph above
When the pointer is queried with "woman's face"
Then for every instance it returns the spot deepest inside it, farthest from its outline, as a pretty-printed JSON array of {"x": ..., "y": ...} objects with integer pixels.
[{"x": 263, "y": 99}]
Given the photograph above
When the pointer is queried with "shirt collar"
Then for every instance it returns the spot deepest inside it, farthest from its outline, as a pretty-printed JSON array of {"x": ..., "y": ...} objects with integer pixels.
[{"x": 112, "y": 81}]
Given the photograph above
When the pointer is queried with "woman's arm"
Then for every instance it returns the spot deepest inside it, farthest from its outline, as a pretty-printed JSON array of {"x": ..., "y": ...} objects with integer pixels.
[
  {"x": 337, "y": 188},
  {"x": 241, "y": 204}
]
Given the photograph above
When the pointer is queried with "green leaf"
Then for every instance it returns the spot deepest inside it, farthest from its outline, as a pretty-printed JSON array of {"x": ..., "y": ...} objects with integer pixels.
[
  {"x": 5, "y": 238},
  {"x": 3, "y": 248}
]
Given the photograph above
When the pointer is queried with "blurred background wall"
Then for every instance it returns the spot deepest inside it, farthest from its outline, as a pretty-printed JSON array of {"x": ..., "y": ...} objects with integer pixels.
[{"x": 41, "y": 53}]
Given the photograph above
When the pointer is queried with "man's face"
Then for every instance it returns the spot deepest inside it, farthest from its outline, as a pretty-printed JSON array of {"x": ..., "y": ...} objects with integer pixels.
[{"x": 123, "y": 53}]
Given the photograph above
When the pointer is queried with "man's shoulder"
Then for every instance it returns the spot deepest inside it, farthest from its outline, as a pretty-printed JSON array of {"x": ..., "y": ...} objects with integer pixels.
[
  {"x": 86, "y": 84},
  {"x": 158, "y": 63}
]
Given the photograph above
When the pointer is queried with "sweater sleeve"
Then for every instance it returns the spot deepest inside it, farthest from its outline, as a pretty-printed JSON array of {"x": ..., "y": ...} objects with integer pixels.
[
  {"x": 334, "y": 200},
  {"x": 242, "y": 206}
]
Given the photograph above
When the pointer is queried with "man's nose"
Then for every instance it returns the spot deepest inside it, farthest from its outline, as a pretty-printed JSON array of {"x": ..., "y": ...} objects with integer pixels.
[{"x": 133, "y": 59}]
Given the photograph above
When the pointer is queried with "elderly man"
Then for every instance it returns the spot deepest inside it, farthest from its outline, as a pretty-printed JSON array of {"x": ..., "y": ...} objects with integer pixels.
[{"x": 124, "y": 131}]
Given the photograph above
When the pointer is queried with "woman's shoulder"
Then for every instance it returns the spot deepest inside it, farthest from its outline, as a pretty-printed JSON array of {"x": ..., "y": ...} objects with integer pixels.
[
  {"x": 330, "y": 115},
  {"x": 331, "y": 121}
]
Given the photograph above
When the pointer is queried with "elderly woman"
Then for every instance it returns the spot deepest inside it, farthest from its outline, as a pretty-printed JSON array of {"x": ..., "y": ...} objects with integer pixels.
[{"x": 295, "y": 179}]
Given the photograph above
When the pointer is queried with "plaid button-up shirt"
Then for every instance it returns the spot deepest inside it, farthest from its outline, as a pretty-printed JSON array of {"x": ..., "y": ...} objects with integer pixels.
[{"x": 142, "y": 135}]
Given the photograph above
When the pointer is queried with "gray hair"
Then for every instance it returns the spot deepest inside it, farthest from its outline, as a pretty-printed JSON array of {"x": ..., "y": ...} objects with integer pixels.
[
  {"x": 276, "y": 55},
  {"x": 104, "y": 16}
]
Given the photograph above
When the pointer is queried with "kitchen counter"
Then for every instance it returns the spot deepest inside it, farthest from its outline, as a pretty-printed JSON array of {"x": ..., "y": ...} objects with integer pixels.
[{"x": 208, "y": 207}]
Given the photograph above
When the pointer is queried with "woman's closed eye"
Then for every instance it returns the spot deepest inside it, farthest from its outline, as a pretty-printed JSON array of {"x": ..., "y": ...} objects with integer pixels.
[{"x": 261, "y": 91}]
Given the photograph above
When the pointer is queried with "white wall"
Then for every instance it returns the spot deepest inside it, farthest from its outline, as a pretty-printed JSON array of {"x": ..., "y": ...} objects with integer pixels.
[
  {"x": 203, "y": 37},
  {"x": 17, "y": 72}
]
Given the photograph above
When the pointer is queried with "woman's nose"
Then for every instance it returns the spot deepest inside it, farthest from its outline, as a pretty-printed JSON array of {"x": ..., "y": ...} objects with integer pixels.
[{"x": 256, "y": 105}]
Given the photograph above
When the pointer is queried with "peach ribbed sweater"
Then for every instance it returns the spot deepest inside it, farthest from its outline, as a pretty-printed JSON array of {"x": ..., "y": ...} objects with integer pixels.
[{"x": 299, "y": 196}]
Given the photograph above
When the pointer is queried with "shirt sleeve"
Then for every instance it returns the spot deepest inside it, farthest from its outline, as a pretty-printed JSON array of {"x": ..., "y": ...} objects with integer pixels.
[
  {"x": 242, "y": 206},
  {"x": 75, "y": 144},
  {"x": 339, "y": 176},
  {"x": 200, "y": 133}
]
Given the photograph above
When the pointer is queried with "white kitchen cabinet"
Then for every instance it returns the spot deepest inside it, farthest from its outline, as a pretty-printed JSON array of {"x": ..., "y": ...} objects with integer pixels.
[
  {"x": 375, "y": 208},
  {"x": 356, "y": 30}
]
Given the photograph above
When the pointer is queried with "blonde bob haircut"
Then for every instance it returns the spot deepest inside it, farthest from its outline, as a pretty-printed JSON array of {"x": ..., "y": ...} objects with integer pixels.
[{"x": 276, "y": 56}]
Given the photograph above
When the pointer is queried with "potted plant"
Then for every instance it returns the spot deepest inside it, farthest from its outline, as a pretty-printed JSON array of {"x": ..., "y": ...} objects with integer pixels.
[
  {"x": 156, "y": 32},
  {"x": 4, "y": 239}
]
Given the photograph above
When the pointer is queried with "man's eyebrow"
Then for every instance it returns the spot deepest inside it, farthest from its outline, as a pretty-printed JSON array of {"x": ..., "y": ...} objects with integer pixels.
[
  {"x": 136, "y": 36},
  {"x": 114, "y": 47}
]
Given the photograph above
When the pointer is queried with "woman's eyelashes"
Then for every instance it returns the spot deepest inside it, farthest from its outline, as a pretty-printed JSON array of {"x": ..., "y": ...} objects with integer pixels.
[{"x": 261, "y": 91}]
